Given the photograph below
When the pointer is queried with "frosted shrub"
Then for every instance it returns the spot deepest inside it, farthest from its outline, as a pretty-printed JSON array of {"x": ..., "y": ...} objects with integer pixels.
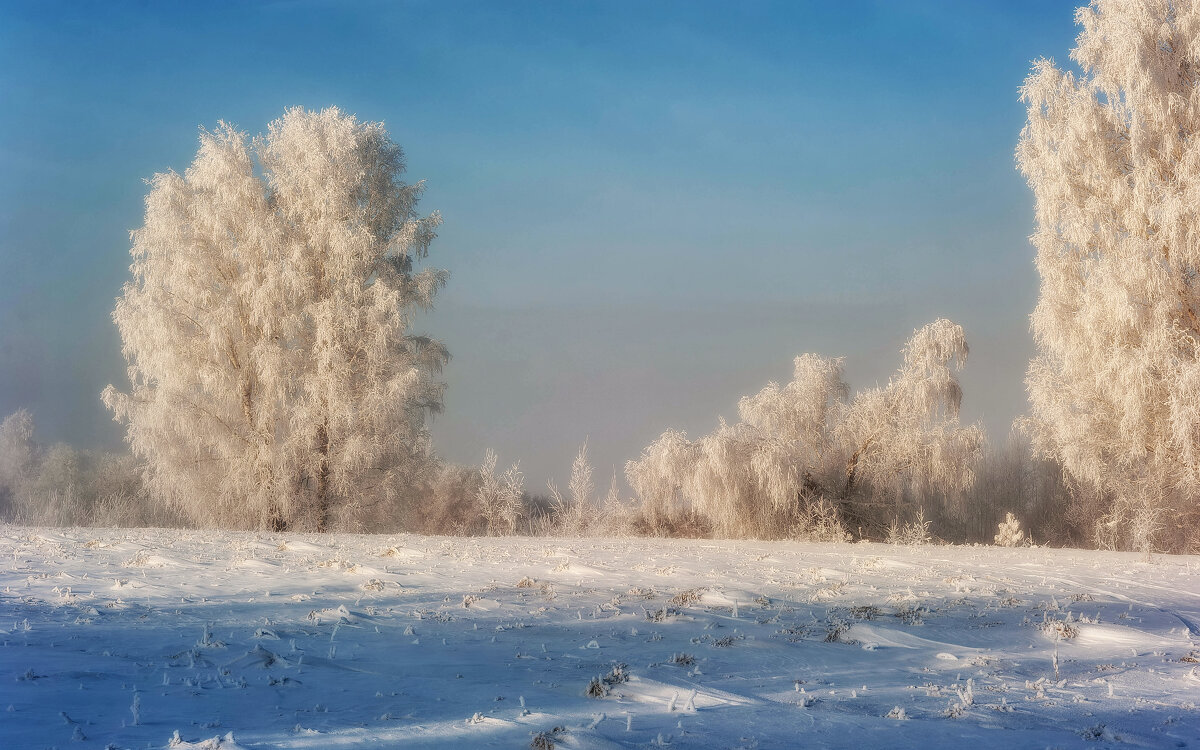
[
  {"x": 616, "y": 516},
  {"x": 581, "y": 479},
  {"x": 500, "y": 498},
  {"x": 601, "y": 687},
  {"x": 911, "y": 533},
  {"x": 545, "y": 740},
  {"x": 1009, "y": 533},
  {"x": 806, "y": 440},
  {"x": 656, "y": 478},
  {"x": 451, "y": 504},
  {"x": 577, "y": 515},
  {"x": 512, "y": 495},
  {"x": 818, "y": 521}
]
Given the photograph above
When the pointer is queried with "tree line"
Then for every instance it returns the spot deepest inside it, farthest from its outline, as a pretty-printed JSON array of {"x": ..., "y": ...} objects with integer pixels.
[{"x": 276, "y": 381}]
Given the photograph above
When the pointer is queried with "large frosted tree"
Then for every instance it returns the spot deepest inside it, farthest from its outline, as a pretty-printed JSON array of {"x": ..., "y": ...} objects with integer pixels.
[
  {"x": 275, "y": 378},
  {"x": 1112, "y": 153}
]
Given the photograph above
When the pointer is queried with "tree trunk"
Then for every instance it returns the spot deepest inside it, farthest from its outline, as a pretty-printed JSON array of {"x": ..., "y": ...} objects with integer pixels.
[
  {"x": 323, "y": 476},
  {"x": 275, "y": 519},
  {"x": 850, "y": 516}
]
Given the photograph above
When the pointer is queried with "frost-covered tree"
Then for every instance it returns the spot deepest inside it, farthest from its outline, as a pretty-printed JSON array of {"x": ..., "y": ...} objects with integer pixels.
[
  {"x": 275, "y": 378},
  {"x": 512, "y": 498},
  {"x": 500, "y": 499},
  {"x": 18, "y": 455},
  {"x": 614, "y": 513},
  {"x": 489, "y": 495},
  {"x": 802, "y": 450},
  {"x": 1009, "y": 533},
  {"x": 18, "y": 451},
  {"x": 581, "y": 485},
  {"x": 908, "y": 433},
  {"x": 58, "y": 485},
  {"x": 1112, "y": 154},
  {"x": 658, "y": 474},
  {"x": 576, "y": 515}
]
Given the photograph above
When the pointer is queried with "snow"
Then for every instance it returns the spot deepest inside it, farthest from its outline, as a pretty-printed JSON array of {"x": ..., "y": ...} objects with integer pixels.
[{"x": 204, "y": 639}]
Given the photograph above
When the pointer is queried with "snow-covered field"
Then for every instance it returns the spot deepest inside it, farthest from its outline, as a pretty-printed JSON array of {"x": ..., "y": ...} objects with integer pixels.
[{"x": 132, "y": 639}]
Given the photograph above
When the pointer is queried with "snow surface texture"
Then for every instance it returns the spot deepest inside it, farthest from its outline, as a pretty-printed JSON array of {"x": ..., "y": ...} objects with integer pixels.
[{"x": 219, "y": 640}]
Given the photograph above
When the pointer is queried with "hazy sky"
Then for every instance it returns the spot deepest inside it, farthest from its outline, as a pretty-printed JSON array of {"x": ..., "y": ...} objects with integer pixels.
[{"x": 650, "y": 208}]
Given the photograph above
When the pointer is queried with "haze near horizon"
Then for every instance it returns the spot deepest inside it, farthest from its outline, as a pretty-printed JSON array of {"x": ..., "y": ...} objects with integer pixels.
[{"x": 649, "y": 210}]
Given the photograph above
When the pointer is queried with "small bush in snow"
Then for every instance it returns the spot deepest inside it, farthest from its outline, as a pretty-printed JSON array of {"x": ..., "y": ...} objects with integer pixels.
[
  {"x": 600, "y": 687},
  {"x": 910, "y": 615},
  {"x": 618, "y": 674},
  {"x": 1059, "y": 629},
  {"x": 818, "y": 521},
  {"x": 687, "y": 598},
  {"x": 596, "y": 688},
  {"x": 1009, "y": 533},
  {"x": 836, "y": 630},
  {"x": 661, "y": 614},
  {"x": 913, "y": 533},
  {"x": 1097, "y": 732},
  {"x": 545, "y": 740}
]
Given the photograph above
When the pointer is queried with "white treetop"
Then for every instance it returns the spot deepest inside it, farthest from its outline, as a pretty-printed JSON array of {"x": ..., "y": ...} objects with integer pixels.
[
  {"x": 1113, "y": 157},
  {"x": 275, "y": 380}
]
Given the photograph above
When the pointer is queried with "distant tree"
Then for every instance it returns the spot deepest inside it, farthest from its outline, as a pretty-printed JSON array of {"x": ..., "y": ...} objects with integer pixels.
[
  {"x": 58, "y": 485},
  {"x": 450, "y": 505},
  {"x": 18, "y": 455},
  {"x": 500, "y": 499},
  {"x": 489, "y": 495},
  {"x": 512, "y": 498},
  {"x": 582, "y": 484},
  {"x": 657, "y": 477},
  {"x": 1112, "y": 154},
  {"x": 578, "y": 514},
  {"x": 615, "y": 514},
  {"x": 276, "y": 382},
  {"x": 803, "y": 446}
]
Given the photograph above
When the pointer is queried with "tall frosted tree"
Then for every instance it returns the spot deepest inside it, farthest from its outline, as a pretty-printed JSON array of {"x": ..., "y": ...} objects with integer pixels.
[
  {"x": 275, "y": 378},
  {"x": 1112, "y": 154}
]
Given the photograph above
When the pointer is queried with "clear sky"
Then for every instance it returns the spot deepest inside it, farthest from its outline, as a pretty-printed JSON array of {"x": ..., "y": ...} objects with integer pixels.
[{"x": 650, "y": 207}]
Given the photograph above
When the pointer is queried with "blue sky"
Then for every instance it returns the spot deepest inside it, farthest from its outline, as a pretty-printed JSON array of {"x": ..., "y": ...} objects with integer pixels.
[{"x": 650, "y": 208}]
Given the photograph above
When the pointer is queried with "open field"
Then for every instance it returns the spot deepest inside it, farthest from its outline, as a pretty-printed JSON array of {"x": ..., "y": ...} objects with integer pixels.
[{"x": 123, "y": 638}]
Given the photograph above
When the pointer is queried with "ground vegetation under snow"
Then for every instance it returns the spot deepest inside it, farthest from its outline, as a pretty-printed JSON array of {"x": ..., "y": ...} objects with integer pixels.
[{"x": 169, "y": 638}]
